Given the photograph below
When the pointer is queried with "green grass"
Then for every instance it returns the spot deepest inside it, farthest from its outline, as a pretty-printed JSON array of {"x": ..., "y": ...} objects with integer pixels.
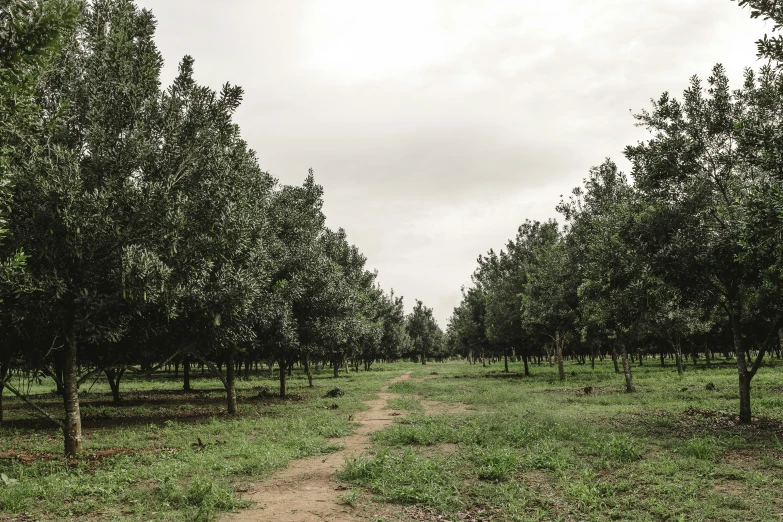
[
  {"x": 527, "y": 448},
  {"x": 540, "y": 449},
  {"x": 142, "y": 460},
  {"x": 406, "y": 403}
]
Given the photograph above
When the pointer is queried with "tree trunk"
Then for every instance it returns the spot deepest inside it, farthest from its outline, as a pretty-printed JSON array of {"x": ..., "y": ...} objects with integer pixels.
[
  {"x": 745, "y": 416},
  {"x": 559, "y": 355},
  {"x": 745, "y": 376},
  {"x": 231, "y": 390},
  {"x": 527, "y": 370},
  {"x": 283, "y": 377},
  {"x": 186, "y": 374},
  {"x": 678, "y": 356},
  {"x": 73, "y": 418},
  {"x": 114, "y": 376},
  {"x": 336, "y": 368},
  {"x": 308, "y": 371},
  {"x": 614, "y": 360},
  {"x": 5, "y": 368},
  {"x": 629, "y": 387},
  {"x": 505, "y": 359}
]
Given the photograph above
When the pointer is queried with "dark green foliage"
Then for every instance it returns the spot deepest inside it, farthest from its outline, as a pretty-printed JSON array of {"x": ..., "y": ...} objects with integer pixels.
[
  {"x": 150, "y": 233},
  {"x": 771, "y": 10},
  {"x": 335, "y": 392},
  {"x": 426, "y": 337}
]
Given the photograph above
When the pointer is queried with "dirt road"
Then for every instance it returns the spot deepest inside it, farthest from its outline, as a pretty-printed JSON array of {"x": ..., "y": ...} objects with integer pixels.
[{"x": 306, "y": 491}]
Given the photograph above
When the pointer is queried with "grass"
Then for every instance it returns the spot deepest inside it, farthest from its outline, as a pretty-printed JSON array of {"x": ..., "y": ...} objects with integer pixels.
[
  {"x": 143, "y": 459},
  {"x": 406, "y": 403},
  {"x": 525, "y": 449},
  {"x": 539, "y": 449}
]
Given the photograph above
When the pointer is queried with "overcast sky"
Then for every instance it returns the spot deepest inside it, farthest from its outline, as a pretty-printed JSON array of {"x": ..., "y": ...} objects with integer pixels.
[{"x": 437, "y": 127}]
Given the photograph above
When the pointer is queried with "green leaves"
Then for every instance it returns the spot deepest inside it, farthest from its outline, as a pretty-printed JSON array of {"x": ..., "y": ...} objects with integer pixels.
[
  {"x": 768, "y": 47},
  {"x": 424, "y": 332}
]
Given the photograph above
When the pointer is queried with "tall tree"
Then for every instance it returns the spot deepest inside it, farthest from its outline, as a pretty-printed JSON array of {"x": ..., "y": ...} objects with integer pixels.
[
  {"x": 74, "y": 207},
  {"x": 613, "y": 291},
  {"x": 707, "y": 164},
  {"x": 30, "y": 37},
  {"x": 208, "y": 212},
  {"x": 424, "y": 331},
  {"x": 550, "y": 300}
]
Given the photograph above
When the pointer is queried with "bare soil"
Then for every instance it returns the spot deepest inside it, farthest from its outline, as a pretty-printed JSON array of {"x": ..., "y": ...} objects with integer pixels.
[{"x": 306, "y": 491}]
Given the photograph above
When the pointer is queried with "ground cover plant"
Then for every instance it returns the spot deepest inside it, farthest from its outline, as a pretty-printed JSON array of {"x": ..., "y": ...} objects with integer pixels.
[
  {"x": 537, "y": 448},
  {"x": 167, "y": 454}
]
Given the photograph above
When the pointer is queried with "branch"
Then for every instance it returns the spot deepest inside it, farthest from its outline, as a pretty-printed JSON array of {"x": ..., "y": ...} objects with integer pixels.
[
  {"x": 52, "y": 375},
  {"x": 211, "y": 366},
  {"x": 97, "y": 369},
  {"x": 763, "y": 349},
  {"x": 34, "y": 406},
  {"x": 158, "y": 367}
]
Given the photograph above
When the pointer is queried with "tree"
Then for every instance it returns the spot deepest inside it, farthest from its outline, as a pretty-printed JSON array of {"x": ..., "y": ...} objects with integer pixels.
[
  {"x": 74, "y": 207},
  {"x": 208, "y": 212},
  {"x": 613, "y": 292},
  {"x": 710, "y": 161},
  {"x": 30, "y": 36},
  {"x": 286, "y": 331},
  {"x": 550, "y": 300},
  {"x": 394, "y": 339},
  {"x": 424, "y": 331},
  {"x": 467, "y": 324}
]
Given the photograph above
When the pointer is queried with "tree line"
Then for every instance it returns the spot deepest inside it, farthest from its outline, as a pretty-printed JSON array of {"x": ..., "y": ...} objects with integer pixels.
[
  {"x": 138, "y": 229},
  {"x": 685, "y": 258}
]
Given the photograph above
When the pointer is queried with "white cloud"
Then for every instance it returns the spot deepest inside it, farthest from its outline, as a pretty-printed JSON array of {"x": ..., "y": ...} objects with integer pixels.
[{"x": 438, "y": 126}]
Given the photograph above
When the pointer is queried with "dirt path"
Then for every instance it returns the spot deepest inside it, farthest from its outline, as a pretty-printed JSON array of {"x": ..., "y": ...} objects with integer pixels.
[{"x": 306, "y": 490}]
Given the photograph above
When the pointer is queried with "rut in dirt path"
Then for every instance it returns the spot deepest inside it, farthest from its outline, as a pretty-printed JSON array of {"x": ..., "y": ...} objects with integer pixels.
[{"x": 306, "y": 491}]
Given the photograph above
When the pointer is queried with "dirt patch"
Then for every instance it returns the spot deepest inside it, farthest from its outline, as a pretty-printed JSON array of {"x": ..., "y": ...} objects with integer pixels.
[
  {"x": 535, "y": 479},
  {"x": 425, "y": 378},
  {"x": 732, "y": 489},
  {"x": 306, "y": 491},
  {"x": 750, "y": 459},
  {"x": 428, "y": 514},
  {"x": 506, "y": 376},
  {"x": 90, "y": 457},
  {"x": 585, "y": 391},
  {"x": 99, "y": 412},
  {"x": 699, "y": 422},
  {"x": 447, "y": 448},
  {"x": 437, "y": 407},
  {"x": 439, "y": 450}
]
